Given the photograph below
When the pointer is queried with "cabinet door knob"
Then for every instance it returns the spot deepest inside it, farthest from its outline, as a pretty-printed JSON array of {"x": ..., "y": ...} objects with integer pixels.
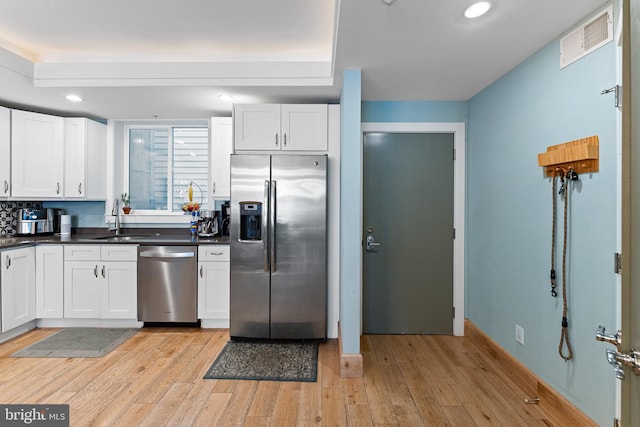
[
  {"x": 6, "y": 186},
  {"x": 57, "y": 188},
  {"x": 103, "y": 272},
  {"x": 8, "y": 262},
  {"x": 80, "y": 188},
  {"x": 201, "y": 273},
  {"x": 285, "y": 140},
  {"x": 95, "y": 271},
  {"x": 276, "y": 139},
  {"x": 214, "y": 187}
]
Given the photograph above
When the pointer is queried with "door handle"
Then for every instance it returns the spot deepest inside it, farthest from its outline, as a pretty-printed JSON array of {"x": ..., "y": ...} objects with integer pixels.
[
  {"x": 371, "y": 245},
  {"x": 272, "y": 225},
  {"x": 265, "y": 227}
]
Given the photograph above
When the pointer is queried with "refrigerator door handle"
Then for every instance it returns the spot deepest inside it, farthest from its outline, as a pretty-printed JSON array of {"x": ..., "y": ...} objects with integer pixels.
[
  {"x": 265, "y": 227},
  {"x": 272, "y": 226}
]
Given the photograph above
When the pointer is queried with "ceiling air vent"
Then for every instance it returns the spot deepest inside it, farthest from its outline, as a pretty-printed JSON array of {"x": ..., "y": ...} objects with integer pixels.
[{"x": 587, "y": 37}]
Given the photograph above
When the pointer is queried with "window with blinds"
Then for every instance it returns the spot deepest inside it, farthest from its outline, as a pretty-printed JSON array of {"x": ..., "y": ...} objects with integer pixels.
[{"x": 163, "y": 161}]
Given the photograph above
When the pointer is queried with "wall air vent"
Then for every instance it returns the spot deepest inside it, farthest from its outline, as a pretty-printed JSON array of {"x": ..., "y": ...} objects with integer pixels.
[{"x": 587, "y": 37}]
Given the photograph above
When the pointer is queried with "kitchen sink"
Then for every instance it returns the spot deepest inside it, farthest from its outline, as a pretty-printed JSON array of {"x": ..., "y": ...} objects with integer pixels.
[{"x": 122, "y": 238}]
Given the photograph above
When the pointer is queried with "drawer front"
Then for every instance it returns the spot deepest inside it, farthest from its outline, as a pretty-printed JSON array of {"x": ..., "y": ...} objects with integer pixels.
[
  {"x": 82, "y": 252},
  {"x": 213, "y": 253},
  {"x": 119, "y": 252}
]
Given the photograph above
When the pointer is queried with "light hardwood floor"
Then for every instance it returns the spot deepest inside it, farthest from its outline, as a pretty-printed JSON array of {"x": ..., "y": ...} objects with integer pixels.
[{"x": 155, "y": 379}]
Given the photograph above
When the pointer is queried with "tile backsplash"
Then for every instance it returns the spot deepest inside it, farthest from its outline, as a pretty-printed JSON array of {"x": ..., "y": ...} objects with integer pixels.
[{"x": 9, "y": 215}]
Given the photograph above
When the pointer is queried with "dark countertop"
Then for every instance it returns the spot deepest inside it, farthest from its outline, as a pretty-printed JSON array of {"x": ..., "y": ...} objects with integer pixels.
[{"x": 101, "y": 236}]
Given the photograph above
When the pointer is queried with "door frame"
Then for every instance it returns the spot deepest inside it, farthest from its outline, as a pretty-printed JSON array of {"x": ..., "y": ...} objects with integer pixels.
[{"x": 459, "y": 214}]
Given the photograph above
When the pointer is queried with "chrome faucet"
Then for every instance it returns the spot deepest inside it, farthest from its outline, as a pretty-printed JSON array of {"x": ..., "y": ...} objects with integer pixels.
[{"x": 115, "y": 212}]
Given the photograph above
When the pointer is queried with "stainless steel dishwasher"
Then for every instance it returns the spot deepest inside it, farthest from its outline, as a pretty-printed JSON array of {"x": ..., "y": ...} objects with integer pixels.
[{"x": 167, "y": 284}]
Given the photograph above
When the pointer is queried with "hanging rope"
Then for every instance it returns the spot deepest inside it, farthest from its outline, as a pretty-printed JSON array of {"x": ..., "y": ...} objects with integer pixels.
[
  {"x": 564, "y": 336},
  {"x": 553, "y": 234}
]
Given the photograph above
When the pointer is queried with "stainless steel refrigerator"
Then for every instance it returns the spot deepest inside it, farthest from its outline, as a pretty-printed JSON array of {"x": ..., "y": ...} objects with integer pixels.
[{"x": 278, "y": 239}]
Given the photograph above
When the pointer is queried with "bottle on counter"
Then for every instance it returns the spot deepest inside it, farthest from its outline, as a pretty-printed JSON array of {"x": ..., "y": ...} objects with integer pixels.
[{"x": 195, "y": 217}]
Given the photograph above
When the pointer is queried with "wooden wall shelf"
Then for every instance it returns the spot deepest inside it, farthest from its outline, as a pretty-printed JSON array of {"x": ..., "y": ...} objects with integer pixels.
[{"x": 581, "y": 155}]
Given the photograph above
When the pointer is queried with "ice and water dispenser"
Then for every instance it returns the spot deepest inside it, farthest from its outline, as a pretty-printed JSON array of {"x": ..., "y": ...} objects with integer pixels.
[{"x": 250, "y": 221}]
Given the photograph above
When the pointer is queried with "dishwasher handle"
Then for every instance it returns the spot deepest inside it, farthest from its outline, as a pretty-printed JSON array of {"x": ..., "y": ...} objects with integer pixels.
[{"x": 167, "y": 255}]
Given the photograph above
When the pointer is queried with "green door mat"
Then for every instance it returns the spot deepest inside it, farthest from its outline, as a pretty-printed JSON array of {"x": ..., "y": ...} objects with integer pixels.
[{"x": 78, "y": 342}]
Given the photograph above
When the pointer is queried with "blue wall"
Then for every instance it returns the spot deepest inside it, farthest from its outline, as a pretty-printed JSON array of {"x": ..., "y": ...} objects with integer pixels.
[
  {"x": 83, "y": 214},
  {"x": 350, "y": 211},
  {"x": 509, "y": 220},
  {"x": 414, "y": 111},
  {"x": 509, "y": 215}
]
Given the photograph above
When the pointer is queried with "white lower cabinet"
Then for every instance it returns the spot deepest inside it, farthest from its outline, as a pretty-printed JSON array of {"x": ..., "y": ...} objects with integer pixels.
[
  {"x": 82, "y": 289},
  {"x": 18, "y": 283},
  {"x": 118, "y": 290},
  {"x": 49, "y": 282},
  {"x": 95, "y": 287},
  {"x": 213, "y": 285}
]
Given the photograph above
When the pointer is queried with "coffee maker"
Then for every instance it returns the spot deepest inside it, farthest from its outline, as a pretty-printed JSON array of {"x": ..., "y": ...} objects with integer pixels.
[
  {"x": 208, "y": 223},
  {"x": 225, "y": 212}
]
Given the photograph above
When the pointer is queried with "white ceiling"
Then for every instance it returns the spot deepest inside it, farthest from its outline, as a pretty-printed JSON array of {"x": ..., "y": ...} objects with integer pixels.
[{"x": 145, "y": 58}]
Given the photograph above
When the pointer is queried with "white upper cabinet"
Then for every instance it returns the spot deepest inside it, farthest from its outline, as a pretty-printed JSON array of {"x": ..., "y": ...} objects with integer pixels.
[
  {"x": 37, "y": 147},
  {"x": 85, "y": 159},
  {"x": 304, "y": 127},
  {"x": 219, "y": 163},
  {"x": 275, "y": 127},
  {"x": 5, "y": 152}
]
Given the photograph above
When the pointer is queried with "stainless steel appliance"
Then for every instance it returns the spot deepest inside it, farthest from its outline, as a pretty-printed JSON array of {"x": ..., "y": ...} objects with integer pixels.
[
  {"x": 167, "y": 284},
  {"x": 208, "y": 223},
  {"x": 38, "y": 221},
  {"x": 278, "y": 241},
  {"x": 225, "y": 217}
]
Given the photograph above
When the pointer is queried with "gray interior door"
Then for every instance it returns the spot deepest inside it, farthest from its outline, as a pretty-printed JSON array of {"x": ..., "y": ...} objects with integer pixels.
[
  {"x": 408, "y": 235},
  {"x": 630, "y": 415}
]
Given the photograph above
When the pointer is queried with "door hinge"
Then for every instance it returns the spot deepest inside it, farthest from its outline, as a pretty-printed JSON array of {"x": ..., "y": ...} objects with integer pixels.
[
  {"x": 617, "y": 422},
  {"x": 617, "y": 91},
  {"x": 454, "y": 233},
  {"x": 454, "y": 312},
  {"x": 617, "y": 263}
]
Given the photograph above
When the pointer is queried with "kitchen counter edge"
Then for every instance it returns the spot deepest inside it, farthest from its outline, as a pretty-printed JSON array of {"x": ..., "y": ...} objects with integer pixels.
[{"x": 106, "y": 238}]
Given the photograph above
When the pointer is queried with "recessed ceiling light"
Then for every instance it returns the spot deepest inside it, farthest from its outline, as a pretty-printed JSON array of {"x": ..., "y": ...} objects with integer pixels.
[
  {"x": 477, "y": 9},
  {"x": 226, "y": 98},
  {"x": 73, "y": 98}
]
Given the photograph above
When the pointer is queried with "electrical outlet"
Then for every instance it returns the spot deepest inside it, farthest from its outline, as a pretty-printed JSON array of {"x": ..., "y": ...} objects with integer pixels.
[{"x": 520, "y": 334}]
